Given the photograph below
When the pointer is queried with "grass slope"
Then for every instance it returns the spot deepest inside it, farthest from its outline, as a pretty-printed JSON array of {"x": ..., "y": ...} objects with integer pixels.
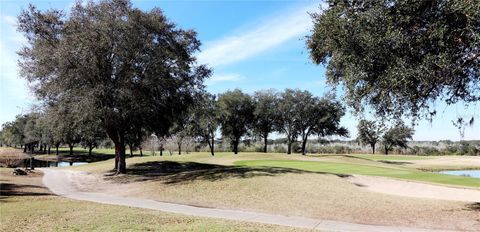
[
  {"x": 373, "y": 165},
  {"x": 342, "y": 168}
]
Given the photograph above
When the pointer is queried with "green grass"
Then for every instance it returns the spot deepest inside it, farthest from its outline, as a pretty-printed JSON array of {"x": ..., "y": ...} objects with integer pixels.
[
  {"x": 337, "y": 164},
  {"x": 391, "y": 157},
  {"x": 343, "y": 168}
]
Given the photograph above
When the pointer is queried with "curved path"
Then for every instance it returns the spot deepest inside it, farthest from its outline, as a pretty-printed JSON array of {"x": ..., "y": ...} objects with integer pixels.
[{"x": 58, "y": 182}]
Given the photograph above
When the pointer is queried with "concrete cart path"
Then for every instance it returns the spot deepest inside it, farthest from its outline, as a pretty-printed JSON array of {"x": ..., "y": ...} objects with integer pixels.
[{"x": 58, "y": 182}]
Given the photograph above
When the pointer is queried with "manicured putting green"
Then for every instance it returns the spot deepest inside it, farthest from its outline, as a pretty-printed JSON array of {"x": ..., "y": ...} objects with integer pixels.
[{"x": 343, "y": 168}]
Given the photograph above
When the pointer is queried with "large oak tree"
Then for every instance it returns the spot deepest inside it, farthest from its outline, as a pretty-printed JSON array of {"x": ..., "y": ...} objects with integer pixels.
[
  {"x": 397, "y": 136},
  {"x": 129, "y": 68},
  {"x": 369, "y": 132},
  {"x": 204, "y": 121},
  {"x": 400, "y": 56},
  {"x": 265, "y": 114},
  {"x": 235, "y": 113}
]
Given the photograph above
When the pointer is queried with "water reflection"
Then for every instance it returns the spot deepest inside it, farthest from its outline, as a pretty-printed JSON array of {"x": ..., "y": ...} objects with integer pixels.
[{"x": 467, "y": 173}]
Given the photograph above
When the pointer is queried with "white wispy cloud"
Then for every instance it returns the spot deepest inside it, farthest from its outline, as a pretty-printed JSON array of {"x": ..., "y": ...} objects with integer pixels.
[
  {"x": 266, "y": 35},
  {"x": 224, "y": 77}
]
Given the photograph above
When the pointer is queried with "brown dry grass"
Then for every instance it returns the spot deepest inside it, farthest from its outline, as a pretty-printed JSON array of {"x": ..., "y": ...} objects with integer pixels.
[
  {"x": 446, "y": 163},
  {"x": 26, "y": 205},
  {"x": 12, "y": 157},
  {"x": 283, "y": 191}
]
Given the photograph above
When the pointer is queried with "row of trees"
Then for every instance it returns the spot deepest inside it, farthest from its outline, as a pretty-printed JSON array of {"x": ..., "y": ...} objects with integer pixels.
[
  {"x": 372, "y": 132},
  {"x": 50, "y": 129},
  {"x": 294, "y": 113}
]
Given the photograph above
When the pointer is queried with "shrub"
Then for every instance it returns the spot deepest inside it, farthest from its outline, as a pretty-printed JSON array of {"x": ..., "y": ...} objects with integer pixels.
[{"x": 279, "y": 148}]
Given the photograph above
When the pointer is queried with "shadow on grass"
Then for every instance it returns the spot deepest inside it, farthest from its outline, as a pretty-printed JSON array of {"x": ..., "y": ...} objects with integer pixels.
[
  {"x": 177, "y": 172},
  {"x": 79, "y": 156},
  {"x": 8, "y": 190},
  {"x": 394, "y": 162},
  {"x": 341, "y": 155}
]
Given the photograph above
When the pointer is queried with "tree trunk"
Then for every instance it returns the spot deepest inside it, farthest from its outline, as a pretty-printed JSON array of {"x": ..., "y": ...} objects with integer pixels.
[
  {"x": 90, "y": 148},
  {"x": 116, "y": 157},
  {"x": 131, "y": 149},
  {"x": 48, "y": 151},
  {"x": 56, "y": 148},
  {"x": 304, "y": 146},
  {"x": 141, "y": 152},
  {"x": 180, "y": 148},
  {"x": 373, "y": 147},
  {"x": 161, "y": 149},
  {"x": 71, "y": 149},
  {"x": 118, "y": 138},
  {"x": 25, "y": 148},
  {"x": 265, "y": 143},
  {"x": 289, "y": 147},
  {"x": 120, "y": 159},
  {"x": 212, "y": 146},
  {"x": 32, "y": 166},
  {"x": 235, "y": 145}
]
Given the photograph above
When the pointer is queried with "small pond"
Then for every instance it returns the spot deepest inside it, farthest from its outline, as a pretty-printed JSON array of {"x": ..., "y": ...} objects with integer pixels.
[
  {"x": 65, "y": 164},
  {"x": 468, "y": 173},
  {"x": 44, "y": 163}
]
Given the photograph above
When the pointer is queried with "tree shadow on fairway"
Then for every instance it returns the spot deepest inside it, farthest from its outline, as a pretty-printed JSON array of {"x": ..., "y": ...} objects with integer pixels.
[
  {"x": 177, "y": 172},
  {"x": 82, "y": 156},
  {"x": 394, "y": 162},
  {"x": 9, "y": 190},
  {"x": 474, "y": 206}
]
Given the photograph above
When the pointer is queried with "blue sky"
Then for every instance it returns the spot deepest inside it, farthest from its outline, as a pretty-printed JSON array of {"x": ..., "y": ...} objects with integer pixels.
[{"x": 251, "y": 45}]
